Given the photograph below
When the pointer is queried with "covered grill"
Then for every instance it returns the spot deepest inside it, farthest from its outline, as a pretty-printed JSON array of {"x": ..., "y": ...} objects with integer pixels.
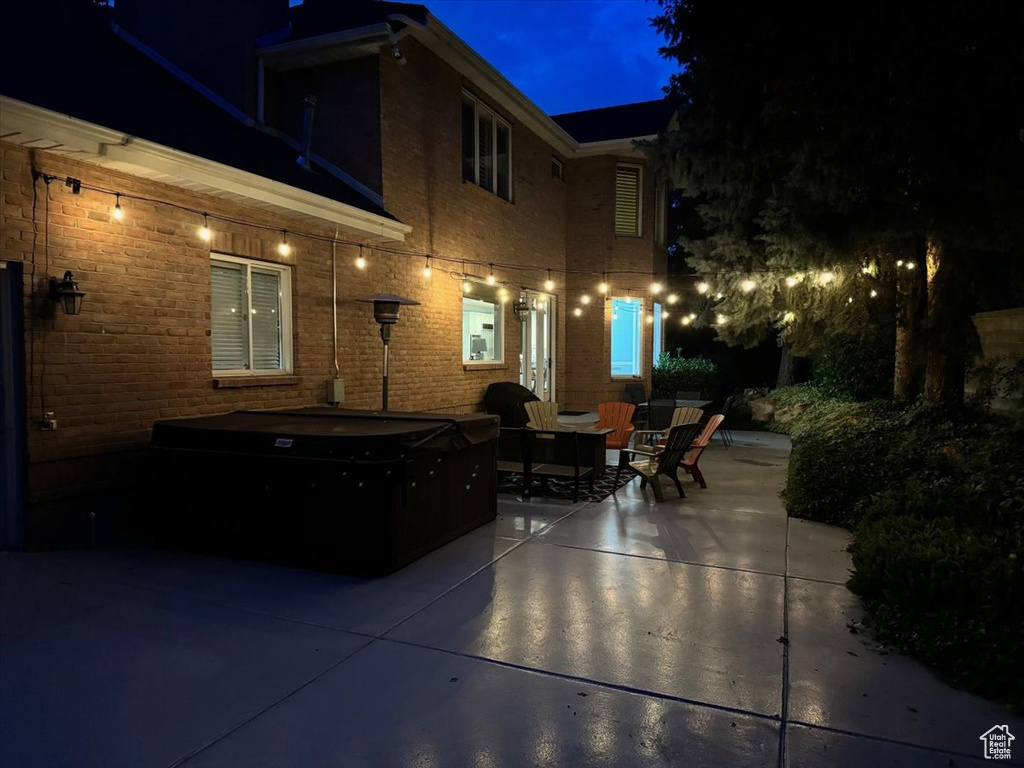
[
  {"x": 349, "y": 491},
  {"x": 505, "y": 400}
]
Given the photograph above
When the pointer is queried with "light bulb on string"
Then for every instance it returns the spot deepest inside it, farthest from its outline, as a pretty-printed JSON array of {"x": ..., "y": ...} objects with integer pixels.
[
  {"x": 685, "y": 320},
  {"x": 360, "y": 259},
  {"x": 703, "y": 287},
  {"x": 426, "y": 268},
  {"x": 650, "y": 318},
  {"x": 467, "y": 286},
  {"x": 747, "y": 286},
  {"x": 283, "y": 248},
  {"x": 849, "y": 299},
  {"x": 615, "y": 315},
  {"x": 672, "y": 298},
  {"x": 585, "y": 299},
  {"x": 788, "y": 317},
  {"x": 899, "y": 262},
  {"x": 791, "y": 281},
  {"x": 655, "y": 288},
  {"x": 204, "y": 231},
  {"x": 873, "y": 293},
  {"x": 664, "y": 314},
  {"x": 503, "y": 295},
  {"x": 910, "y": 265},
  {"x": 602, "y": 288},
  {"x": 549, "y": 284},
  {"x": 577, "y": 312},
  {"x": 692, "y": 316},
  {"x": 491, "y": 279},
  {"x": 721, "y": 319},
  {"x": 118, "y": 210},
  {"x": 827, "y": 277}
]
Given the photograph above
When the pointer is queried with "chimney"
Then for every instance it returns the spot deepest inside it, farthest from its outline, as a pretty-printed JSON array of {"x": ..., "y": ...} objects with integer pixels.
[{"x": 307, "y": 132}]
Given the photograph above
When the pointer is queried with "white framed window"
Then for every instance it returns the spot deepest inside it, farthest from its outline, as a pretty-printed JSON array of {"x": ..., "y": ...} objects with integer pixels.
[
  {"x": 250, "y": 316},
  {"x": 486, "y": 148},
  {"x": 628, "y": 189},
  {"x": 482, "y": 328},
  {"x": 627, "y": 333}
]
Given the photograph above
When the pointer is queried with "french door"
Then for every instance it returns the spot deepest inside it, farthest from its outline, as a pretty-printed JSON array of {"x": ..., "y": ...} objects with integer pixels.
[{"x": 537, "y": 359}]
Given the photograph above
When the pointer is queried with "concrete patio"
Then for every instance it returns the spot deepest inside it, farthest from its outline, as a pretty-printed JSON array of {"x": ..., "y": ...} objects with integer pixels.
[{"x": 711, "y": 631}]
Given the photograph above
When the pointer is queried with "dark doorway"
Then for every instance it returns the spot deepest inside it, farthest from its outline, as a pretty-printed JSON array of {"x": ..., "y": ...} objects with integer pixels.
[{"x": 12, "y": 407}]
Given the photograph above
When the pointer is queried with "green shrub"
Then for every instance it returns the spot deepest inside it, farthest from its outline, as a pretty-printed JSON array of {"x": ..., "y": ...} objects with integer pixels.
[
  {"x": 678, "y": 374},
  {"x": 857, "y": 366}
]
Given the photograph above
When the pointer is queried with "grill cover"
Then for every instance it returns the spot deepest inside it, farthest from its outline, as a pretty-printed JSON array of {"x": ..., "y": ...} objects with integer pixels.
[{"x": 505, "y": 400}]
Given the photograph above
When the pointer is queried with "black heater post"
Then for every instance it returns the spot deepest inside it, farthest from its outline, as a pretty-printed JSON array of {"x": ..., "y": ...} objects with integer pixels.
[{"x": 385, "y": 312}]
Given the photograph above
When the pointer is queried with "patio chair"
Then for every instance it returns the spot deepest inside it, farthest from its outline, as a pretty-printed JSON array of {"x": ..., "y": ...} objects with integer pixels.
[
  {"x": 542, "y": 415},
  {"x": 617, "y": 416},
  {"x": 660, "y": 414},
  {"x": 724, "y": 433},
  {"x": 689, "y": 461},
  {"x": 655, "y": 437},
  {"x": 635, "y": 395},
  {"x": 667, "y": 461}
]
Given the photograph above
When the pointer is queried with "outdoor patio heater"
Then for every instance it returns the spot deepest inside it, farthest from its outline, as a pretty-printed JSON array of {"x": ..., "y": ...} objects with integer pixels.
[{"x": 385, "y": 312}]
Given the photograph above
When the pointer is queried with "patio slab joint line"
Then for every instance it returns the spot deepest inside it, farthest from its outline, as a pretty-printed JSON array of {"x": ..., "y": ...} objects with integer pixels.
[
  {"x": 588, "y": 681},
  {"x": 783, "y": 757}
]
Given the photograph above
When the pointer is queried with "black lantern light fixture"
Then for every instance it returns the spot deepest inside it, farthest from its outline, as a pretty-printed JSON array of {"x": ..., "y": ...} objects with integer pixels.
[
  {"x": 66, "y": 293},
  {"x": 521, "y": 308},
  {"x": 385, "y": 312}
]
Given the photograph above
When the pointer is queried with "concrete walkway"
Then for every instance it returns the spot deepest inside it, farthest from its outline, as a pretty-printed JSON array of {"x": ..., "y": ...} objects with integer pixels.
[{"x": 711, "y": 631}]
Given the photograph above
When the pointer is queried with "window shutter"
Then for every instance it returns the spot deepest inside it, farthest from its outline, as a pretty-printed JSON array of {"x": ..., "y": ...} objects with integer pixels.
[
  {"x": 627, "y": 200},
  {"x": 266, "y": 320},
  {"x": 228, "y": 327}
]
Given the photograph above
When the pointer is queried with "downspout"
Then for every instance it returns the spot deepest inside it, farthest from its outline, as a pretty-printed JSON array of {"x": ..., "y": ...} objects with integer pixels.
[{"x": 334, "y": 303}]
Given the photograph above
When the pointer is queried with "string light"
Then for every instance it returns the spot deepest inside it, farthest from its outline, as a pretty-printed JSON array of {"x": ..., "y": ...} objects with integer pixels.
[
  {"x": 899, "y": 262},
  {"x": 703, "y": 287},
  {"x": 849, "y": 300},
  {"x": 827, "y": 277},
  {"x": 577, "y": 312},
  {"x": 491, "y": 279},
  {"x": 685, "y": 320},
  {"x": 584, "y": 299},
  {"x": 204, "y": 231},
  {"x": 791, "y": 281},
  {"x": 873, "y": 293},
  {"x": 426, "y": 268},
  {"x": 692, "y": 316},
  {"x": 789, "y": 317},
  {"x": 747, "y": 286},
  {"x": 649, "y": 318},
  {"x": 467, "y": 286},
  {"x": 672, "y": 298},
  {"x": 615, "y": 315},
  {"x": 503, "y": 295},
  {"x": 664, "y": 314},
  {"x": 283, "y": 248},
  {"x": 910, "y": 265},
  {"x": 360, "y": 260},
  {"x": 549, "y": 284},
  {"x": 603, "y": 287},
  {"x": 118, "y": 211},
  {"x": 721, "y": 319},
  {"x": 655, "y": 288}
]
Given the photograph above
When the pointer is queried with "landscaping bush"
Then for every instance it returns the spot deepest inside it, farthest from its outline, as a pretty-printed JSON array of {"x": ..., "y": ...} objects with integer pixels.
[
  {"x": 936, "y": 502},
  {"x": 684, "y": 374},
  {"x": 857, "y": 366}
]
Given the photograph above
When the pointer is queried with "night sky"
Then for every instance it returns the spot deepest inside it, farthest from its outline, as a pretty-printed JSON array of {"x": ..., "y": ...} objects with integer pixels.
[{"x": 565, "y": 55}]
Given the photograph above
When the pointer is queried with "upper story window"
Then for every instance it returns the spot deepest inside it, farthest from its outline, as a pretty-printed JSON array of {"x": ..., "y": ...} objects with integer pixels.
[
  {"x": 486, "y": 148},
  {"x": 628, "y": 188},
  {"x": 557, "y": 170},
  {"x": 250, "y": 316}
]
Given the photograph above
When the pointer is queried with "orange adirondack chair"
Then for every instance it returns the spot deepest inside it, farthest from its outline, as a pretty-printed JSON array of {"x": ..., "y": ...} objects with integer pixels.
[
  {"x": 617, "y": 416},
  {"x": 689, "y": 462}
]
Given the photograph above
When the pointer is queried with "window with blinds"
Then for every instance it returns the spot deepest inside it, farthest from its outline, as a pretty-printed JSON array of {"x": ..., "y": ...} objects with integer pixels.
[
  {"x": 250, "y": 316},
  {"x": 627, "y": 200},
  {"x": 486, "y": 148}
]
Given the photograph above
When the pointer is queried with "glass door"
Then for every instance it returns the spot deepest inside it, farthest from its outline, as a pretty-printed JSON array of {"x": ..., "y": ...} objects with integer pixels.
[{"x": 537, "y": 360}]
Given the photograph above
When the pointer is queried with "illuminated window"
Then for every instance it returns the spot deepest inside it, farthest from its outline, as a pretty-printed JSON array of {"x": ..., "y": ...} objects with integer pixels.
[
  {"x": 627, "y": 336},
  {"x": 481, "y": 324}
]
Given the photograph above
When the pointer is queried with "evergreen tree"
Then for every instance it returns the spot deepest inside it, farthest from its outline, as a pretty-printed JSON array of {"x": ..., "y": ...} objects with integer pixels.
[{"x": 823, "y": 147}]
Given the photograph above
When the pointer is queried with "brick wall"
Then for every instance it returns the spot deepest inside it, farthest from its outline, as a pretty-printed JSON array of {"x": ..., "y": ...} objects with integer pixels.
[{"x": 593, "y": 245}]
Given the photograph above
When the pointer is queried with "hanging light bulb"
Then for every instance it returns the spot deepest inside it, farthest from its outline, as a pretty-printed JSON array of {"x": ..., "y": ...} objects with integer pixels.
[
  {"x": 849, "y": 299},
  {"x": 672, "y": 298},
  {"x": 747, "y": 286},
  {"x": 655, "y": 288},
  {"x": 788, "y": 317},
  {"x": 615, "y": 315},
  {"x": 910, "y": 265},
  {"x": 118, "y": 211},
  {"x": 685, "y": 320},
  {"x": 467, "y": 286},
  {"x": 426, "y": 268},
  {"x": 899, "y": 262},
  {"x": 692, "y": 316},
  {"x": 283, "y": 248},
  {"x": 503, "y": 295},
  {"x": 491, "y": 279},
  {"x": 577, "y": 312},
  {"x": 791, "y": 281},
  {"x": 204, "y": 231},
  {"x": 664, "y": 314},
  {"x": 649, "y": 318},
  {"x": 585, "y": 299},
  {"x": 360, "y": 259},
  {"x": 602, "y": 288},
  {"x": 721, "y": 319},
  {"x": 873, "y": 293},
  {"x": 827, "y": 277},
  {"x": 549, "y": 284},
  {"x": 703, "y": 287}
]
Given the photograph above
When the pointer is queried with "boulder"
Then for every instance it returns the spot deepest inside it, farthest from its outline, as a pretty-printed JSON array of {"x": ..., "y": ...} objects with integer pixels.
[{"x": 763, "y": 411}]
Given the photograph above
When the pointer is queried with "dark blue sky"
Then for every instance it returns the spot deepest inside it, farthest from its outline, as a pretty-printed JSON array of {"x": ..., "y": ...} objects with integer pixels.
[{"x": 565, "y": 55}]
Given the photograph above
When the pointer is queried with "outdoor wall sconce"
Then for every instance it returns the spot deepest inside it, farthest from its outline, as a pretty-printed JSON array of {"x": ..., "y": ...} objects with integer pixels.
[
  {"x": 385, "y": 312},
  {"x": 521, "y": 308},
  {"x": 66, "y": 293}
]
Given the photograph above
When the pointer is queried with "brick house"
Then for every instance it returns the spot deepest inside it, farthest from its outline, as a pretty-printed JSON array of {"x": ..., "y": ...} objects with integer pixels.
[{"x": 165, "y": 153}]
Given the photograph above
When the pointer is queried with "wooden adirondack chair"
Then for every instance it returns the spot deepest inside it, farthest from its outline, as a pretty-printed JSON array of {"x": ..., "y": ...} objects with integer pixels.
[
  {"x": 668, "y": 461},
  {"x": 617, "y": 416},
  {"x": 654, "y": 437},
  {"x": 689, "y": 462},
  {"x": 542, "y": 415}
]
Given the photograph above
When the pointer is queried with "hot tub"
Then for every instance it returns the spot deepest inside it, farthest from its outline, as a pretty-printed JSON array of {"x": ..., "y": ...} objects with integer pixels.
[{"x": 354, "y": 492}]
